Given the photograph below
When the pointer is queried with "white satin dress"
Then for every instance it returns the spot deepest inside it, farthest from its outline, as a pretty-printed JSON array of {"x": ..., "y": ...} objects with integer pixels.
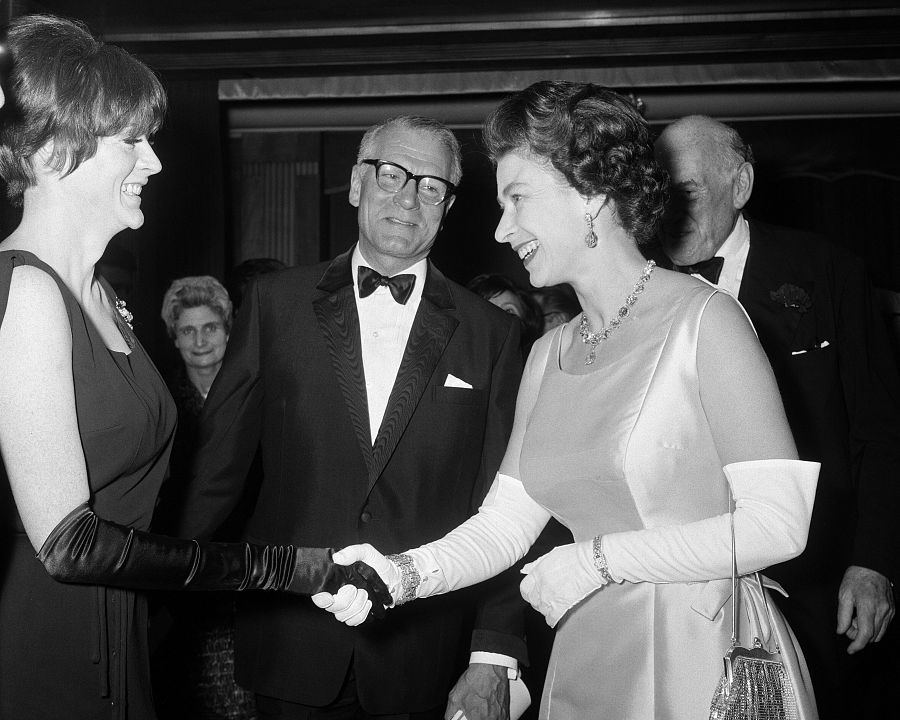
[{"x": 628, "y": 447}]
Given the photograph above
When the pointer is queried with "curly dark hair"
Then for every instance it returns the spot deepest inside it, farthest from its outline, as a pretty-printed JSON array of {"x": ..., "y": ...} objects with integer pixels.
[{"x": 595, "y": 138}]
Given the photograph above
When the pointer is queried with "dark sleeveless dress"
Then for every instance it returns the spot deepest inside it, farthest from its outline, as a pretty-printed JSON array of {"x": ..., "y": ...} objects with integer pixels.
[{"x": 80, "y": 652}]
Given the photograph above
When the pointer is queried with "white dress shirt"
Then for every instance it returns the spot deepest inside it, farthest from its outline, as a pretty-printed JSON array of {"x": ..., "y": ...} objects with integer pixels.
[
  {"x": 734, "y": 251},
  {"x": 384, "y": 326}
]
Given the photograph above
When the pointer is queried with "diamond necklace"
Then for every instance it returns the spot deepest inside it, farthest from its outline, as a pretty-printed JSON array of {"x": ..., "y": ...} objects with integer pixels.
[{"x": 595, "y": 338}]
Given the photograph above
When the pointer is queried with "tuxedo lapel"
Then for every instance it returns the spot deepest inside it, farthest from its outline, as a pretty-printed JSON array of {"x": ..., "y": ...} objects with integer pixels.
[
  {"x": 339, "y": 323},
  {"x": 431, "y": 331}
]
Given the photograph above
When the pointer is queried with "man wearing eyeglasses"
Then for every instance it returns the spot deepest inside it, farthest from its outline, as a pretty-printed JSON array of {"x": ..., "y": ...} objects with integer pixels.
[{"x": 382, "y": 394}]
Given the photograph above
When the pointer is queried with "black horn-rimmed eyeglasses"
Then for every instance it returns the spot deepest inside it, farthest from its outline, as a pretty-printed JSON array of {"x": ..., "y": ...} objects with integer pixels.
[{"x": 392, "y": 178}]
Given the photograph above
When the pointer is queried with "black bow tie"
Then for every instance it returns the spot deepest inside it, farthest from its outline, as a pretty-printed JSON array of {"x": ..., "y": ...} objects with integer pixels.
[
  {"x": 401, "y": 286},
  {"x": 709, "y": 269}
]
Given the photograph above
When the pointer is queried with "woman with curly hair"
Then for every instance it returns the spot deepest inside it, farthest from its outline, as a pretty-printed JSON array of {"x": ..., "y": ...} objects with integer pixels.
[{"x": 636, "y": 423}]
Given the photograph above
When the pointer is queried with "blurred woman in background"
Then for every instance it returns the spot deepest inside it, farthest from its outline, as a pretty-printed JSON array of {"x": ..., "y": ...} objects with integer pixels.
[
  {"x": 197, "y": 315},
  {"x": 558, "y": 304},
  {"x": 193, "y": 668},
  {"x": 499, "y": 290}
]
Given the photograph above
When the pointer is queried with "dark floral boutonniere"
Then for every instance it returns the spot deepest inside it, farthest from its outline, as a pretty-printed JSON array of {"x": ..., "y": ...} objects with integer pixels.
[{"x": 792, "y": 297}]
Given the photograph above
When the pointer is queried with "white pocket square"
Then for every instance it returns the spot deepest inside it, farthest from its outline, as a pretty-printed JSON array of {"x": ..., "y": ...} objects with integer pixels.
[{"x": 453, "y": 381}]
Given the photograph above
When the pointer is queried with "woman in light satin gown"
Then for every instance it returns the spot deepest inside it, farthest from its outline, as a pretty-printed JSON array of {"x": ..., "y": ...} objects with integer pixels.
[{"x": 637, "y": 423}]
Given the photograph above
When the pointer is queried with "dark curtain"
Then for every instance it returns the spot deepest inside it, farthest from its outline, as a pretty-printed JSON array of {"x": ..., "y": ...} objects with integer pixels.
[{"x": 838, "y": 177}]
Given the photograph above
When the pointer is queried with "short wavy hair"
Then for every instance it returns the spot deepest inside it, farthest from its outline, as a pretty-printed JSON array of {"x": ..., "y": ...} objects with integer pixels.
[
  {"x": 415, "y": 122},
  {"x": 68, "y": 88},
  {"x": 595, "y": 138},
  {"x": 195, "y": 291}
]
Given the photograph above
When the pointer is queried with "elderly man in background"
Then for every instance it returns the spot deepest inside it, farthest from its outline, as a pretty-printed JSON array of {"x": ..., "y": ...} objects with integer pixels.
[
  {"x": 811, "y": 304},
  {"x": 382, "y": 396}
]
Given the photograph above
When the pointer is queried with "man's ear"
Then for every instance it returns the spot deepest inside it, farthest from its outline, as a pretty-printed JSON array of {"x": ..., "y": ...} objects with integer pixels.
[
  {"x": 742, "y": 188},
  {"x": 355, "y": 185}
]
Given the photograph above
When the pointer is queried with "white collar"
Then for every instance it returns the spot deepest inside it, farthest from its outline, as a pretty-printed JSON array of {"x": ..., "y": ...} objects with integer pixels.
[{"x": 737, "y": 241}]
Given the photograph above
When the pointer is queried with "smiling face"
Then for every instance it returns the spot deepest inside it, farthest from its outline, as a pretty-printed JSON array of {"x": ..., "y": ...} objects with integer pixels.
[
  {"x": 396, "y": 230},
  {"x": 200, "y": 338},
  {"x": 543, "y": 218},
  {"x": 703, "y": 208},
  {"x": 107, "y": 187}
]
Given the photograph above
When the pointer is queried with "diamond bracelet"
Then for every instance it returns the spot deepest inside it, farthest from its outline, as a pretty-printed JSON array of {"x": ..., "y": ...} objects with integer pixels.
[
  {"x": 600, "y": 562},
  {"x": 409, "y": 577}
]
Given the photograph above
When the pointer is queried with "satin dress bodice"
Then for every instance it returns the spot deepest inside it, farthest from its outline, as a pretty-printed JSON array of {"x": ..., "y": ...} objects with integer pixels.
[{"x": 625, "y": 447}]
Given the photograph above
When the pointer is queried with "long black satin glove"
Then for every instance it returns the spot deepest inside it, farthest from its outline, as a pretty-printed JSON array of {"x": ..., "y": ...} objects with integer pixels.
[{"x": 84, "y": 548}]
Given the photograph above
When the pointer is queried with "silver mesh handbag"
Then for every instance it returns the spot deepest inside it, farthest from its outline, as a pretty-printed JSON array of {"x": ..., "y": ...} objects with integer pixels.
[{"x": 755, "y": 684}]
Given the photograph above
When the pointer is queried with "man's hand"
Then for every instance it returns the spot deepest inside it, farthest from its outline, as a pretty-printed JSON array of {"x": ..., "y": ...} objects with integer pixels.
[
  {"x": 481, "y": 693},
  {"x": 865, "y": 607}
]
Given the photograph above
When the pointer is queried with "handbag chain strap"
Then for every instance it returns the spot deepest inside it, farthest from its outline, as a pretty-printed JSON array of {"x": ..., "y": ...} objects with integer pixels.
[
  {"x": 735, "y": 597},
  {"x": 735, "y": 593}
]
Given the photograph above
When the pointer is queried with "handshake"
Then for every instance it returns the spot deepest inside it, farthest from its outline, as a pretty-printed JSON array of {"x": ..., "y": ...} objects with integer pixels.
[{"x": 362, "y": 583}]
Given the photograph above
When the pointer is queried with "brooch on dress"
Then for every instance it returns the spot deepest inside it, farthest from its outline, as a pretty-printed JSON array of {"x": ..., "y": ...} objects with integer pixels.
[
  {"x": 792, "y": 297},
  {"x": 124, "y": 313}
]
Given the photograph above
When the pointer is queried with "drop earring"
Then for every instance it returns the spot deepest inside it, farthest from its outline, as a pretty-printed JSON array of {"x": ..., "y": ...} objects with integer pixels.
[{"x": 590, "y": 238}]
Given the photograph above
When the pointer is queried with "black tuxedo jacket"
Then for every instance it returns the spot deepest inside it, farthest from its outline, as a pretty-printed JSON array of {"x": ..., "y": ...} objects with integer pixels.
[
  {"x": 812, "y": 307},
  {"x": 292, "y": 380}
]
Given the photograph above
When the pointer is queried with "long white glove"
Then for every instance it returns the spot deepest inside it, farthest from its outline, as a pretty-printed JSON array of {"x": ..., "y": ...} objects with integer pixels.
[
  {"x": 773, "y": 505},
  {"x": 559, "y": 580},
  {"x": 502, "y": 531}
]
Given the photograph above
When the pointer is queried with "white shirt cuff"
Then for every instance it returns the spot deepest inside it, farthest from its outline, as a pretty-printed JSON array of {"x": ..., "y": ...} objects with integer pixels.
[{"x": 489, "y": 658}]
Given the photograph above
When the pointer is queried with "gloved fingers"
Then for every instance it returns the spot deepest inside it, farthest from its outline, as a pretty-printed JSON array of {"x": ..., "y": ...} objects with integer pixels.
[
  {"x": 354, "y": 605},
  {"x": 361, "y": 616},
  {"x": 552, "y": 617},
  {"x": 353, "y": 553},
  {"x": 349, "y": 611},
  {"x": 343, "y": 599},
  {"x": 323, "y": 600},
  {"x": 530, "y": 592}
]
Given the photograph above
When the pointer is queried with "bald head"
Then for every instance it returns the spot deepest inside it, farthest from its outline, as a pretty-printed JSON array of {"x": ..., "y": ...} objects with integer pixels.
[
  {"x": 712, "y": 179},
  {"x": 720, "y": 143}
]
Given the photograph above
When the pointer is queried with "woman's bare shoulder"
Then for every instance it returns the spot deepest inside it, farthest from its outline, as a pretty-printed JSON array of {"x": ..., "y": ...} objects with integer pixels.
[{"x": 34, "y": 295}]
